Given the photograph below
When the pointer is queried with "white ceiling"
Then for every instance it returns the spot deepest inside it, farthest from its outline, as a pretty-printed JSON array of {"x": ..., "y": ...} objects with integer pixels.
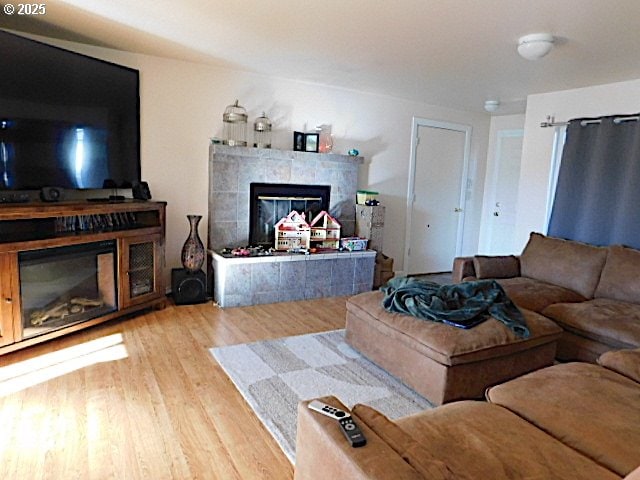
[{"x": 454, "y": 53}]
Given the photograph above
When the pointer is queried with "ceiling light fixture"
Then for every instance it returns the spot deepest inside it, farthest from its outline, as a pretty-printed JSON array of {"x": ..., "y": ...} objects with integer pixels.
[
  {"x": 535, "y": 45},
  {"x": 491, "y": 105}
]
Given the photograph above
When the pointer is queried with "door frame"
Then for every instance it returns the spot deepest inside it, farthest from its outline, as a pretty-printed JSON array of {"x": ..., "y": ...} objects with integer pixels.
[{"x": 416, "y": 123}]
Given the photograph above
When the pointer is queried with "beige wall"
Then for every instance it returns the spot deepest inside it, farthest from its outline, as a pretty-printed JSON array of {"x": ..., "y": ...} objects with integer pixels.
[
  {"x": 182, "y": 105},
  {"x": 610, "y": 99}
]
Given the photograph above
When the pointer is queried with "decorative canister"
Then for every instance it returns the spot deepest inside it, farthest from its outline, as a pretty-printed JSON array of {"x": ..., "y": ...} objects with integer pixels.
[
  {"x": 234, "y": 122},
  {"x": 262, "y": 132},
  {"x": 193, "y": 248},
  {"x": 325, "y": 141}
]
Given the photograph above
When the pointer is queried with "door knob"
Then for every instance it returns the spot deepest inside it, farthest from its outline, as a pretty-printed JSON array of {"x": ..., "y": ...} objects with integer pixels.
[{"x": 457, "y": 210}]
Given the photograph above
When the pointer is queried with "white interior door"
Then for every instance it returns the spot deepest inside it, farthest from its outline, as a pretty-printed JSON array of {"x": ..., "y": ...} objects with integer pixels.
[
  {"x": 435, "y": 213},
  {"x": 503, "y": 191}
]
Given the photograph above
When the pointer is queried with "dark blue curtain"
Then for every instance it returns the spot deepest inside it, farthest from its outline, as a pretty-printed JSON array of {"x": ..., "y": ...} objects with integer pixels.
[{"x": 597, "y": 197}]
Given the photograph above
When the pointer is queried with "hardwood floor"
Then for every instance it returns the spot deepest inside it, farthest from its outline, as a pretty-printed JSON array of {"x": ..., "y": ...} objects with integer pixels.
[{"x": 142, "y": 398}]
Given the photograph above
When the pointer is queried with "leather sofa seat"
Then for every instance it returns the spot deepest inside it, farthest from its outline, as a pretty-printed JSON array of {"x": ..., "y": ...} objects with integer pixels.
[
  {"x": 603, "y": 320},
  {"x": 477, "y": 440},
  {"x": 537, "y": 295}
]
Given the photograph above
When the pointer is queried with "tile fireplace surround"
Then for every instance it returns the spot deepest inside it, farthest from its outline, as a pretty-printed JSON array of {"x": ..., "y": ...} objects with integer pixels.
[{"x": 254, "y": 280}]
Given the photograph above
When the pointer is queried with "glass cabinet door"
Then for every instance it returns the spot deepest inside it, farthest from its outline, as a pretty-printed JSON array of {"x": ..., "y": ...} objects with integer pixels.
[{"x": 141, "y": 268}]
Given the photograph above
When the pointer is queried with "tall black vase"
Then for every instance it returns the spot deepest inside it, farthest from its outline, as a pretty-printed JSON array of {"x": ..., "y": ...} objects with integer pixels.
[{"x": 193, "y": 248}]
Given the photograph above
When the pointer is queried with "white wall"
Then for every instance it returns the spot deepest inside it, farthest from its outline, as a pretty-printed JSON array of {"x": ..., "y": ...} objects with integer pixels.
[
  {"x": 610, "y": 99},
  {"x": 182, "y": 105}
]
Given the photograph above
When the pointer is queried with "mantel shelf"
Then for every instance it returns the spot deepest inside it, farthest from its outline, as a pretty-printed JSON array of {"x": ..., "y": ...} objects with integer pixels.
[{"x": 275, "y": 154}]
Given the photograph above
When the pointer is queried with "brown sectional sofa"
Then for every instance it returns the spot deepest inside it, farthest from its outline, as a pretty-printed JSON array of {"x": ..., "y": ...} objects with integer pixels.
[
  {"x": 568, "y": 421},
  {"x": 593, "y": 293}
]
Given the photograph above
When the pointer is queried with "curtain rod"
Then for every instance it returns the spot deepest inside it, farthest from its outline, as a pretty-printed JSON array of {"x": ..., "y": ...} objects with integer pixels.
[{"x": 551, "y": 121}]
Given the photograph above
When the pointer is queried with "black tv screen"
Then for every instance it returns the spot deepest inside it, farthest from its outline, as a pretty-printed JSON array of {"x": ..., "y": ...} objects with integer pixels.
[{"x": 66, "y": 119}]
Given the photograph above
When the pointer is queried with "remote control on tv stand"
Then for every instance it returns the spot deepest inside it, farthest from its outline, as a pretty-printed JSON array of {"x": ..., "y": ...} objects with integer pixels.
[{"x": 347, "y": 425}]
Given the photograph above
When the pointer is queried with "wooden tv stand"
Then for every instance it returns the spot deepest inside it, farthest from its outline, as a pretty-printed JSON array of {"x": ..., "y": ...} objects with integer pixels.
[{"x": 135, "y": 228}]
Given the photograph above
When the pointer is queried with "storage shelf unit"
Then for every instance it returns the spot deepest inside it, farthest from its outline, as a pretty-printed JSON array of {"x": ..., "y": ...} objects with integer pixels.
[{"x": 137, "y": 227}]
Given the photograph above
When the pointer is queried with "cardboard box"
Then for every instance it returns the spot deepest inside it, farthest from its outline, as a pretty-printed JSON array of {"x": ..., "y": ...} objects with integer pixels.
[
  {"x": 372, "y": 215},
  {"x": 373, "y": 233}
]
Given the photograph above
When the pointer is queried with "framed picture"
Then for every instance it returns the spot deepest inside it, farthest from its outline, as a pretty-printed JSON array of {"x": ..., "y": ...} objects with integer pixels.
[
  {"x": 311, "y": 142},
  {"x": 298, "y": 142}
]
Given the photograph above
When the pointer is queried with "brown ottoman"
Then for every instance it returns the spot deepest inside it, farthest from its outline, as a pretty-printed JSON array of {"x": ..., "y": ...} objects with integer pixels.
[{"x": 445, "y": 363}]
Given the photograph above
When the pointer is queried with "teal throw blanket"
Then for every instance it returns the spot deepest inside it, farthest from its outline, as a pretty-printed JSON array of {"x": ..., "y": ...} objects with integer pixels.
[{"x": 462, "y": 305}]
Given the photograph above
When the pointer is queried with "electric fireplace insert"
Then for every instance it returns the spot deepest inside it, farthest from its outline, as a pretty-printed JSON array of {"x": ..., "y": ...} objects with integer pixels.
[{"x": 66, "y": 285}]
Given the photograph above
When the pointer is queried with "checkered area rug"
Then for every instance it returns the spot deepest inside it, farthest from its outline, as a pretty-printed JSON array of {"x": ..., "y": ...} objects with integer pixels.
[{"x": 273, "y": 376}]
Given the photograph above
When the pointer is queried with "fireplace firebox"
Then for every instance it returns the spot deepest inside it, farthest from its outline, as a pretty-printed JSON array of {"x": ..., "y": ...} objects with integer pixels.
[
  {"x": 66, "y": 285},
  {"x": 269, "y": 202}
]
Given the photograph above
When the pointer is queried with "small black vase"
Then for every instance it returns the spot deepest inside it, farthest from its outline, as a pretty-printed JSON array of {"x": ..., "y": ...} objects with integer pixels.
[{"x": 193, "y": 249}]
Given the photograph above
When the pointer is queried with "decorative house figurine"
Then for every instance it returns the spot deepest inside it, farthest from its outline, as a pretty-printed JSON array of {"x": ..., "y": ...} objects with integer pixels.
[
  {"x": 292, "y": 232},
  {"x": 325, "y": 231}
]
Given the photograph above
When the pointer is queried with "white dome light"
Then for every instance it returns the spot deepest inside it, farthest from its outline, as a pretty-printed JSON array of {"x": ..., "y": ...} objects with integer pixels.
[
  {"x": 491, "y": 105},
  {"x": 535, "y": 45}
]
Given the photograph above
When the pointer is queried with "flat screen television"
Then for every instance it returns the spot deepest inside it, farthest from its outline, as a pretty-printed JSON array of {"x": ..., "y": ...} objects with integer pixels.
[{"x": 66, "y": 120}]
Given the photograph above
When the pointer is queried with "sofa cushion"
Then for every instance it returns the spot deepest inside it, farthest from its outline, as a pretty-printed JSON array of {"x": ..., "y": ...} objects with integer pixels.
[
  {"x": 620, "y": 279},
  {"x": 625, "y": 362},
  {"x": 449, "y": 345},
  {"x": 589, "y": 408},
  {"x": 537, "y": 295},
  {"x": 611, "y": 322},
  {"x": 483, "y": 441},
  {"x": 573, "y": 265},
  {"x": 504, "y": 266},
  {"x": 414, "y": 453}
]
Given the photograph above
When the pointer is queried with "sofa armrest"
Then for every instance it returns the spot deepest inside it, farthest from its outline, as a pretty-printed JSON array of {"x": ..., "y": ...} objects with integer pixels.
[
  {"x": 462, "y": 268},
  {"x": 624, "y": 362},
  {"x": 323, "y": 452}
]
